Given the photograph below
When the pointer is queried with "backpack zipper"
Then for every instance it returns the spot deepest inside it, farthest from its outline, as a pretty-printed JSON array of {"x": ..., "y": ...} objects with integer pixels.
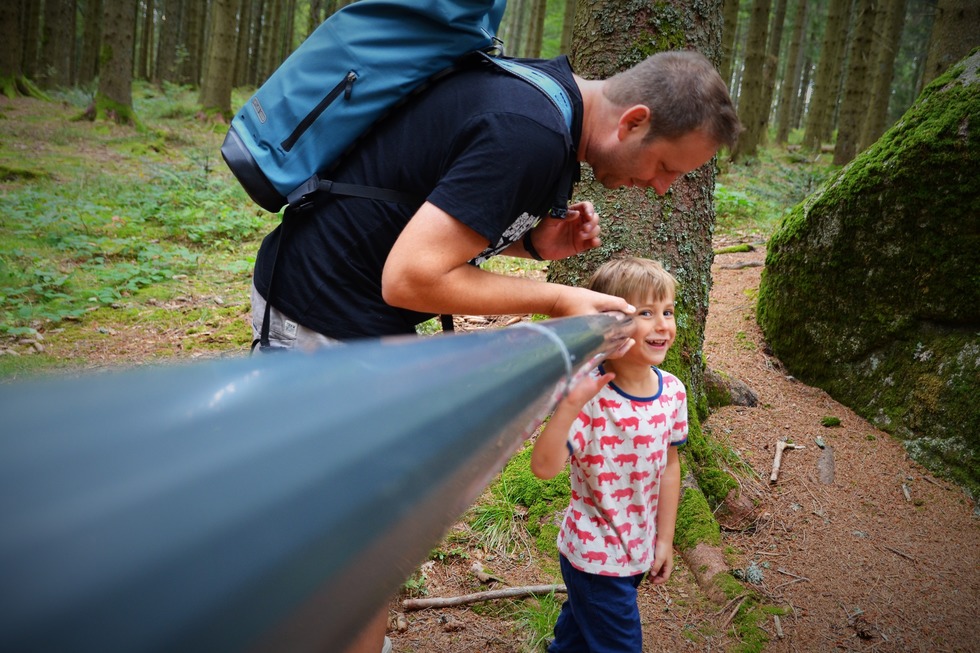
[{"x": 346, "y": 85}]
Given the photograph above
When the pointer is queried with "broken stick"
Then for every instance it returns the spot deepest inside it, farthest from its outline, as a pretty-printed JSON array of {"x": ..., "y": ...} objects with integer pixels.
[
  {"x": 509, "y": 593},
  {"x": 778, "y": 460}
]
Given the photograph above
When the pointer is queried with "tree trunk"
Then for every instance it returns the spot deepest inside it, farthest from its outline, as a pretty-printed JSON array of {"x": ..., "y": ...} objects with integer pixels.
[
  {"x": 32, "y": 39},
  {"x": 772, "y": 64},
  {"x": 216, "y": 87},
  {"x": 88, "y": 60},
  {"x": 728, "y": 34},
  {"x": 955, "y": 32},
  {"x": 515, "y": 23},
  {"x": 243, "y": 34},
  {"x": 145, "y": 63},
  {"x": 752, "y": 97},
  {"x": 820, "y": 119},
  {"x": 166, "y": 59},
  {"x": 12, "y": 79},
  {"x": 568, "y": 27},
  {"x": 195, "y": 14},
  {"x": 114, "y": 99},
  {"x": 855, "y": 94},
  {"x": 535, "y": 32},
  {"x": 57, "y": 44},
  {"x": 790, "y": 89},
  {"x": 875, "y": 119}
]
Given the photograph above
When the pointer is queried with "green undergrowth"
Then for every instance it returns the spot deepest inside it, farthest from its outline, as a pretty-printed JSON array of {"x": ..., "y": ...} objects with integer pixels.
[
  {"x": 753, "y": 196},
  {"x": 98, "y": 221}
]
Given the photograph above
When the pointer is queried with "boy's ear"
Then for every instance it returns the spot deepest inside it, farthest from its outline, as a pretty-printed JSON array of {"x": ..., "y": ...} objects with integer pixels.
[{"x": 635, "y": 120}]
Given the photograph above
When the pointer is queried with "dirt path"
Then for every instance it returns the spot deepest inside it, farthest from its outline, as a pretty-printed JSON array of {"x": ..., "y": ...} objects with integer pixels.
[{"x": 883, "y": 571}]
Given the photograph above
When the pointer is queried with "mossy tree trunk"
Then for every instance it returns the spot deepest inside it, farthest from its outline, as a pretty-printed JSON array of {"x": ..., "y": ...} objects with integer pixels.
[
  {"x": 13, "y": 82},
  {"x": 871, "y": 287}
]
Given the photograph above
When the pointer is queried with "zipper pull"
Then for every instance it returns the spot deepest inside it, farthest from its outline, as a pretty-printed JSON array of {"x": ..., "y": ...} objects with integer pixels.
[{"x": 351, "y": 78}]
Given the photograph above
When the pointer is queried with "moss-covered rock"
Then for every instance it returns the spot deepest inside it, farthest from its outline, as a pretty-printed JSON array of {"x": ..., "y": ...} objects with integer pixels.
[{"x": 872, "y": 285}]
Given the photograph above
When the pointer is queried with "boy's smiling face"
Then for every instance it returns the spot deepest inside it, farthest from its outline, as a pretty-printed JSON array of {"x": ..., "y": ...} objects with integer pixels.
[{"x": 654, "y": 331}]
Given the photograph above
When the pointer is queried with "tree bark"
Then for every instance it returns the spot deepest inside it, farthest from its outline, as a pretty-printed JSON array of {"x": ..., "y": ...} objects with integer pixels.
[
  {"x": 750, "y": 108},
  {"x": 568, "y": 27},
  {"x": 166, "y": 59},
  {"x": 790, "y": 89},
  {"x": 12, "y": 79},
  {"x": 820, "y": 118},
  {"x": 57, "y": 44},
  {"x": 88, "y": 61},
  {"x": 728, "y": 34},
  {"x": 145, "y": 63},
  {"x": 215, "y": 95},
  {"x": 114, "y": 98},
  {"x": 772, "y": 63},
  {"x": 855, "y": 94},
  {"x": 876, "y": 117},
  {"x": 535, "y": 33},
  {"x": 955, "y": 32}
]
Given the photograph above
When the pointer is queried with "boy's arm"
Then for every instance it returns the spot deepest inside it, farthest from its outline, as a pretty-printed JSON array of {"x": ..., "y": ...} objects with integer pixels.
[
  {"x": 670, "y": 494},
  {"x": 551, "y": 448}
]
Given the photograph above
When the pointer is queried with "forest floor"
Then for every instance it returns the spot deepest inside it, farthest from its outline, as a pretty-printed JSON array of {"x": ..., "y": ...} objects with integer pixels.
[{"x": 884, "y": 558}]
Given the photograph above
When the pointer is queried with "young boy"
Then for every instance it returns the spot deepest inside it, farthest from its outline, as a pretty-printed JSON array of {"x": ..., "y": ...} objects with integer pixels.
[{"x": 622, "y": 425}]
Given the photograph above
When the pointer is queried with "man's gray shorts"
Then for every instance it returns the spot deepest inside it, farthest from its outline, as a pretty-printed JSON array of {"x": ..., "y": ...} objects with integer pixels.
[{"x": 284, "y": 332}]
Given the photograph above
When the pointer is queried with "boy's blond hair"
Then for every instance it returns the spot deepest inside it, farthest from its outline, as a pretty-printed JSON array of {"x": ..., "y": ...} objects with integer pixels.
[{"x": 633, "y": 279}]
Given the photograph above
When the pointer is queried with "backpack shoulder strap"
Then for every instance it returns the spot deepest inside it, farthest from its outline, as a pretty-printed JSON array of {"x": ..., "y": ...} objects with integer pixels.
[{"x": 540, "y": 80}]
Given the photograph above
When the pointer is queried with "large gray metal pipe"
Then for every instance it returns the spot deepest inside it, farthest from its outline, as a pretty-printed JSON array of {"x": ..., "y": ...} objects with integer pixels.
[{"x": 272, "y": 503}]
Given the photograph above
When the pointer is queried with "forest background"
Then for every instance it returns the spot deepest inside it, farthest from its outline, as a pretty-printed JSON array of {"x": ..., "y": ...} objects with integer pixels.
[{"x": 127, "y": 251}]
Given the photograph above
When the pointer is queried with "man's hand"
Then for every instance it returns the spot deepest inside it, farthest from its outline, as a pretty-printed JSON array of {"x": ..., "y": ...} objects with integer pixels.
[
  {"x": 556, "y": 239},
  {"x": 581, "y": 301}
]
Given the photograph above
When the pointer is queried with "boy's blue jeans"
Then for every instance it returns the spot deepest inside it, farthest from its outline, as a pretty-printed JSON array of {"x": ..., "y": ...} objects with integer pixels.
[{"x": 600, "y": 615}]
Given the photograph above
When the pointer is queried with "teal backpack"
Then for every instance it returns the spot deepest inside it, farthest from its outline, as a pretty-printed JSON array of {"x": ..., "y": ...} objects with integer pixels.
[{"x": 353, "y": 70}]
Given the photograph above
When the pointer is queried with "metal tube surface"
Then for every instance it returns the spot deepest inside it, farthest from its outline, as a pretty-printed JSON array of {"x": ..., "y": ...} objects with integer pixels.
[{"x": 266, "y": 503}]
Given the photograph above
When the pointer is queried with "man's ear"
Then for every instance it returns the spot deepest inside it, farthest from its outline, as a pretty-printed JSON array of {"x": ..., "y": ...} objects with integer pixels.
[{"x": 637, "y": 117}]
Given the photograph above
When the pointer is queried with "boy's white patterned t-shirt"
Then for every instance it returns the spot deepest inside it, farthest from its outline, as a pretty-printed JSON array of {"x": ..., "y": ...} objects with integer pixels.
[{"x": 619, "y": 445}]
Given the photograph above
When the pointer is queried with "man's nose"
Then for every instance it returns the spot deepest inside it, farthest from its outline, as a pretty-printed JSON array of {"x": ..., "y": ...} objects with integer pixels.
[{"x": 662, "y": 183}]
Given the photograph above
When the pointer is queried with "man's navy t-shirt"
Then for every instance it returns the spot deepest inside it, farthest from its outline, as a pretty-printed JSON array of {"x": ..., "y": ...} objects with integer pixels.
[{"x": 482, "y": 145}]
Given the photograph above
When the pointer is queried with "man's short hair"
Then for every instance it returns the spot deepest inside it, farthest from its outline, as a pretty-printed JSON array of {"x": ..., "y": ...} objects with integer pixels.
[
  {"x": 684, "y": 93},
  {"x": 634, "y": 279}
]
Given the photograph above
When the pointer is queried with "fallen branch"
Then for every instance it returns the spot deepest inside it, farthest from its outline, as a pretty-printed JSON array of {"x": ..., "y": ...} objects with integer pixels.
[
  {"x": 897, "y": 552},
  {"x": 783, "y": 571},
  {"x": 731, "y": 615},
  {"x": 509, "y": 593},
  {"x": 779, "y": 626},
  {"x": 778, "y": 460},
  {"x": 790, "y": 582}
]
